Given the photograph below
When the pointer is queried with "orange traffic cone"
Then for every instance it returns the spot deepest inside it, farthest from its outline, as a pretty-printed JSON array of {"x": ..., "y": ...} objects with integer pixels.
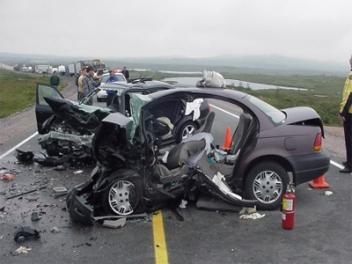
[
  {"x": 319, "y": 183},
  {"x": 227, "y": 139}
]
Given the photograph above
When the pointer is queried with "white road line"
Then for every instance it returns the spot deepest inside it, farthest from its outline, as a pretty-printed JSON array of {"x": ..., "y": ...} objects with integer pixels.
[
  {"x": 227, "y": 112},
  {"x": 334, "y": 163},
  {"x": 338, "y": 165},
  {"x": 18, "y": 145}
]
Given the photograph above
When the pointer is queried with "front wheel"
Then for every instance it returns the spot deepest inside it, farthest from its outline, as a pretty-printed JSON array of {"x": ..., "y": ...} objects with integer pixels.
[
  {"x": 124, "y": 194},
  {"x": 266, "y": 182}
]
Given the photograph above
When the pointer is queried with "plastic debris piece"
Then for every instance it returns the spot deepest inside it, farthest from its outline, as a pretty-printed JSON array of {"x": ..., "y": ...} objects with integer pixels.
[
  {"x": 328, "y": 193},
  {"x": 115, "y": 223},
  {"x": 253, "y": 216},
  {"x": 23, "y": 250},
  {"x": 26, "y": 233},
  {"x": 8, "y": 177},
  {"x": 55, "y": 229},
  {"x": 78, "y": 172},
  {"x": 183, "y": 204},
  {"x": 35, "y": 217},
  {"x": 248, "y": 210},
  {"x": 25, "y": 157},
  {"x": 60, "y": 190}
]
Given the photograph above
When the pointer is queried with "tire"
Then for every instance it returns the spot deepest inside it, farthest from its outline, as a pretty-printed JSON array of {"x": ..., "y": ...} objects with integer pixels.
[
  {"x": 187, "y": 129},
  {"x": 123, "y": 196},
  {"x": 266, "y": 182}
]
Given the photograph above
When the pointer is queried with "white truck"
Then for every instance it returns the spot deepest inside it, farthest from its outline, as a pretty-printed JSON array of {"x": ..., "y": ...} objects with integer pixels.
[
  {"x": 71, "y": 69},
  {"x": 62, "y": 69},
  {"x": 43, "y": 68}
]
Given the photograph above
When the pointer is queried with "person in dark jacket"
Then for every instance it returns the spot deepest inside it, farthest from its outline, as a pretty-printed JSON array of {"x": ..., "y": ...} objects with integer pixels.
[
  {"x": 125, "y": 73},
  {"x": 89, "y": 84},
  {"x": 54, "y": 80}
]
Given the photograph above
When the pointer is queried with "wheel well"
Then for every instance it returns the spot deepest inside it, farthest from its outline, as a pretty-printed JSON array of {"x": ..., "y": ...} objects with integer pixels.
[{"x": 278, "y": 159}]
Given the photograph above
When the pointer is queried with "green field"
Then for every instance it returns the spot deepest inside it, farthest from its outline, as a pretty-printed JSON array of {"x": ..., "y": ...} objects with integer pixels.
[{"x": 17, "y": 91}]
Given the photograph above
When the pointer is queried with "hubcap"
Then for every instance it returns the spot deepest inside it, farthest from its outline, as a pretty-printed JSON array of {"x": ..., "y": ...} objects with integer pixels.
[
  {"x": 188, "y": 131},
  {"x": 121, "y": 197},
  {"x": 267, "y": 186}
]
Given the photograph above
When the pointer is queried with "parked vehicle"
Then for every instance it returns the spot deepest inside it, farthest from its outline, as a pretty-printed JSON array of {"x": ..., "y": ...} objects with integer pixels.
[
  {"x": 71, "y": 69},
  {"x": 135, "y": 173},
  {"x": 105, "y": 87},
  {"x": 62, "y": 69},
  {"x": 43, "y": 68}
]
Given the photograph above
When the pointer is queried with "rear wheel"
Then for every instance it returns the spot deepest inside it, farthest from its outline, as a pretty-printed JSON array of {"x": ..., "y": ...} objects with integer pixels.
[
  {"x": 266, "y": 182},
  {"x": 124, "y": 194}
]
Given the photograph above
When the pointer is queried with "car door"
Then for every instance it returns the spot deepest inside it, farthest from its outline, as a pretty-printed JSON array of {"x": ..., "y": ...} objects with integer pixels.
[{"x": 42, "y": 109}]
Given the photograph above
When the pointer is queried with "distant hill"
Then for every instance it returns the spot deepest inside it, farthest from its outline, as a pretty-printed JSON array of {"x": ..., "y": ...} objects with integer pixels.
[{"x": 270, "y": 64}]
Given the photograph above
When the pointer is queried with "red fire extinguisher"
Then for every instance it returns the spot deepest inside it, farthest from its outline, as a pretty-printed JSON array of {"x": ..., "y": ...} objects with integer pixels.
[{"x": 288, "y": 207}]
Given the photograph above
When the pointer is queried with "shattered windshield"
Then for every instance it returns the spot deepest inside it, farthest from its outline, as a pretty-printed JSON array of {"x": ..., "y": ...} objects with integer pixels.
[{"x": 137, "y": 101}]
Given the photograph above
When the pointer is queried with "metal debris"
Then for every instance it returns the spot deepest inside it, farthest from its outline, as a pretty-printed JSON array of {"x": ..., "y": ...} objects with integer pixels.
[
  {"x": 250, "y": 213},
  {"x": 26, "y": 192},
  {"x": 55, "y": 229},
  {"x": 26, "y": 233},
  {"x": 115, "y": 223},
  {"x": 78, "y": 172},
  {"x": 60, "y": 191}
]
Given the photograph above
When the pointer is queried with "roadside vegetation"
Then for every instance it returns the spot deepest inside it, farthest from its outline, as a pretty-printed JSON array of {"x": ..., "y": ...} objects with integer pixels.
[
  {"x": 17, "y": 91},
  {"x": 323, "y": 92}
]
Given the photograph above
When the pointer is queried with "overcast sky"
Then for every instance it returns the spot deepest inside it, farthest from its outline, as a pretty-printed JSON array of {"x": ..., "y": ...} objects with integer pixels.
[{"x": 312, "y": 29}]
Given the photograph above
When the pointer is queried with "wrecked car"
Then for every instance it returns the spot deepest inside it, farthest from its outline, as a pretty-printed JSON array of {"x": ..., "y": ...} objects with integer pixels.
[
  {"x": 68, "y": 127},
  {"x": 135, "y": 173}
]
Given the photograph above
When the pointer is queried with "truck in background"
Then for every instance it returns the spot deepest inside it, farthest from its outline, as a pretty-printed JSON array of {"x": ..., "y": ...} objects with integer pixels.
[
  {"x": 71, "y": 69},
  {"x": 62, "y": 69},
  {"x": 43, "y": 68}
]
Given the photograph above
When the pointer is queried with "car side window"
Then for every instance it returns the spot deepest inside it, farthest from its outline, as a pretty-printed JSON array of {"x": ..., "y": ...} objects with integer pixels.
[{"x": 46, "y": 91}]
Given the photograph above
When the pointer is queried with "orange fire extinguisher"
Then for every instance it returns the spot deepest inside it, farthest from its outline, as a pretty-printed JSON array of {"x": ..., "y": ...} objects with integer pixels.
[{"x": 288, "y": 206}]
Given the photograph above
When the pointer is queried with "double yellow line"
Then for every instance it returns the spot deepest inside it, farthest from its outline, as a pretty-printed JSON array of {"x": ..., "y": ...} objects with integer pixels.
[{"x": 160, "y": 247}]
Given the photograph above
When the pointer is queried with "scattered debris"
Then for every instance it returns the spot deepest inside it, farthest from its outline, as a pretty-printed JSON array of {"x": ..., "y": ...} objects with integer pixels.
[
  {"x": 328, "y": 193},
  {"x": 60, "y": 191},
  {"x": 7, "y": 177},
  {"x": 55, "y": 230},
  {"x": 26, "y": 233},
  {"x": 78, "y": 172},
  {"x": 25, "y": 157},
  {"x": 2, "y": 208},
  {"x": 25, "y": 192},
  {"x": 250, "y": 213},
  {"x": 35, "y": 217},
  {"x": 51, "y": 161},
  {"x": 115, "y": 223},
  {"x": 22, "y": 250},
  {"x": 60, "y": 168},
  {"x": 183, "y": 204}
]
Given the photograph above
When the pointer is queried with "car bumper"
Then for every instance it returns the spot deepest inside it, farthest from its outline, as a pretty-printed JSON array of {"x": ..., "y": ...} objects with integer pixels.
[{"x": 304, "y": 171}]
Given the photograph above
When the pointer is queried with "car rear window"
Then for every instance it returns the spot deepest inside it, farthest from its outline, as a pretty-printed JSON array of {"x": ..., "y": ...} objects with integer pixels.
[{"x": 273, "y": 113}]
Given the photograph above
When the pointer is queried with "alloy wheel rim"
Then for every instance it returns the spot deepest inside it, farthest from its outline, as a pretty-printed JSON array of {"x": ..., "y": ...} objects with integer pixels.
[
  {"x": 267, "y": 186},
  {"x": 121, "y": 196},
  {"x": 188, "y": 131}
]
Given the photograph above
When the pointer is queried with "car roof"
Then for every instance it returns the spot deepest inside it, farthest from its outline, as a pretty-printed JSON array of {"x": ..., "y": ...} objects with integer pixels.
[{"x": 206, "y": 92}]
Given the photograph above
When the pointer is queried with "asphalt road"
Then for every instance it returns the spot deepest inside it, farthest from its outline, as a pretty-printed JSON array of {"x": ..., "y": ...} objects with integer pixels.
[{"x": 322, "y": 232}]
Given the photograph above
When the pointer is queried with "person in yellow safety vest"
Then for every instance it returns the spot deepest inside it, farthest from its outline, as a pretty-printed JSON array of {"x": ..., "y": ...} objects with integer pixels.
[{"x": 346, "y": 115}]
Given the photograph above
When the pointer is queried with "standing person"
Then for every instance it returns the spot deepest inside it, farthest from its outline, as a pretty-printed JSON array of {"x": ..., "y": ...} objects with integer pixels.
[
  {"x": 54, "y": 80},
  {"x": 80, "y": 93},
  {"x": 346, "y": 114},
  {"x": 89, "y": 84},
  {"x": 125, "y": 73}
]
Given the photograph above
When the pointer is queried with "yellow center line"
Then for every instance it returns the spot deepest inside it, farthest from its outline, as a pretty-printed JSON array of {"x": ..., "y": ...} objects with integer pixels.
[{"x": 160, "y": 247}]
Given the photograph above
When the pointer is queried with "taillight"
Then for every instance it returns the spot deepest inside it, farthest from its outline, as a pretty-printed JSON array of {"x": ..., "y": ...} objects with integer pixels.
[{"x": 317, "y": 142}]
